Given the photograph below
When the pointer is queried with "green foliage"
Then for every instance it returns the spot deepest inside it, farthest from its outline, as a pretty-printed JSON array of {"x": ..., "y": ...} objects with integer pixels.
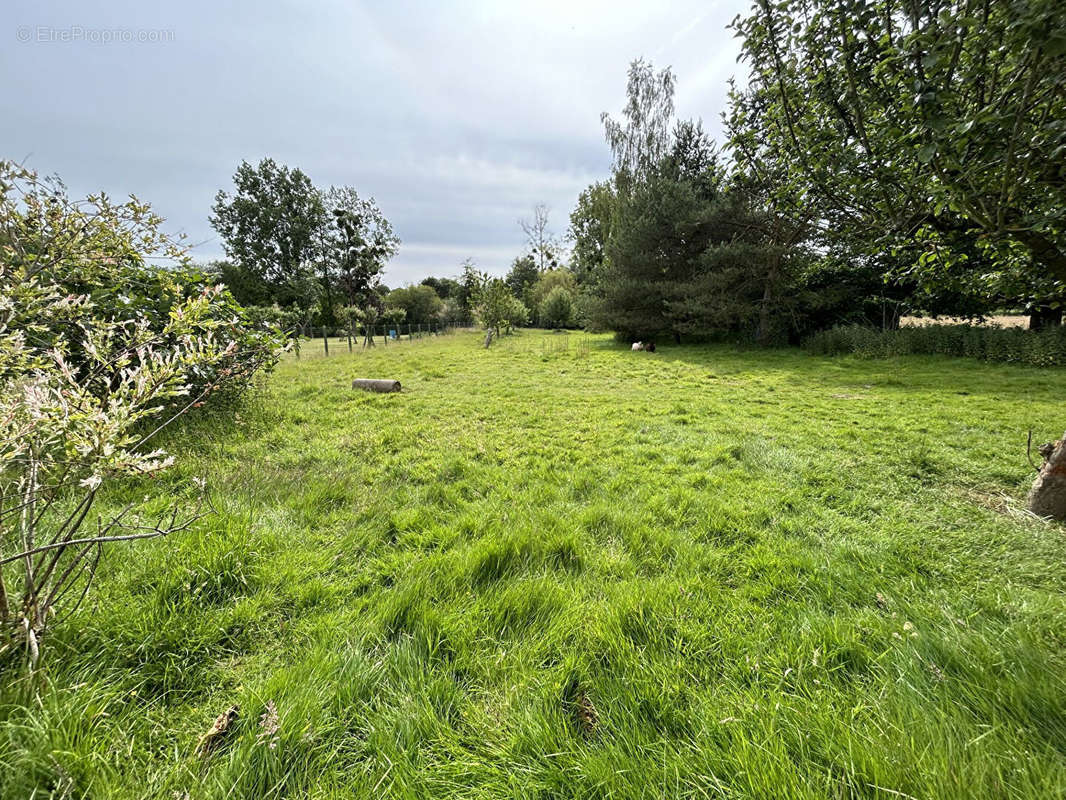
[
  {"x": 444, "y": 287},
  {"x": 270, "y": 227},
  {"x": 557, "y": 309},
  {"x": 294, "y": 245},
  {"x": 660, "y": 232},
  {"x": 394, "y": 315},
  {"x": 933, "y": 128},
  {"x": 1044, "y": 348},
  {"x": 496, "y": 308},
  {"x": 454, "y": 314},
  {"x": 641, "y": 139},
  {"x": 675, "y": 245},
  {"x": 522, "y": 277},
  {"x": 784, "y": 577},
  {"x": 590, "y": 228},
  {"x": 356, "y": 247},
  {"x": 547, "y": 282},
  {"x": 273, "y": 317},
  {"x": 421, "y": 304},
  {"x": 98, "y": 353}
]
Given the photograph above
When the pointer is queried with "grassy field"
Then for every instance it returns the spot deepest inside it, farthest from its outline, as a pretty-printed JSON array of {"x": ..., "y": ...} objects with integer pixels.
[{"x": 558, "y": 568}]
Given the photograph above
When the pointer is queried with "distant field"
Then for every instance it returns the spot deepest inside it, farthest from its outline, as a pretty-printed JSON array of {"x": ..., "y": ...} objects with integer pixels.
[
  {"x": 558, "y": 568},
  {"x": 1001, "y": 320}
]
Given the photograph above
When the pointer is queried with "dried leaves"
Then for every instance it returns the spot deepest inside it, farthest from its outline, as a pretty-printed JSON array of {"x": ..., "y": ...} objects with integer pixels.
[
  {"x": 578, "y": 705},
  {"x": 218, "y": 733}
]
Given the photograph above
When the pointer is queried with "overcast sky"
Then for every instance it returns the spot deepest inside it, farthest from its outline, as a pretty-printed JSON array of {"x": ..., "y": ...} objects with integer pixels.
[{"x": 457, "y": 118}]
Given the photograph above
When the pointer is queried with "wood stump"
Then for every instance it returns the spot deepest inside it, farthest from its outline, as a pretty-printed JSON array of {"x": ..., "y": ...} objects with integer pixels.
[
  {"x": 375, "y": 385},
  {"x": 1047, "y": 498}
]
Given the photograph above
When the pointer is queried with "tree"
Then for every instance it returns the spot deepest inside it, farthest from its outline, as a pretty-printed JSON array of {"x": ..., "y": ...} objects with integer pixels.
[
  {"x": 494, "y": 305},
  {"x": 557, "y": 310},
  {"x": 516, "y": 314},
  {"x": 393, "y": 316},
  {"x": 454, "y": 314},
  {"x": 421, "y": 304},
  {"x": 522, "y": 277},
  {"x": 641, "y": 140},
  {"x": 653, "y": 253},
  {"x": 444, "y": 287},
  {"x": 358, "y": 245},
  {"x": 270, "y": 228},
  {"x": 921, "y": 125},
  {"x": 661, "y": 217},
  {"x": 748, "y": 277},
  {"x": 246, "y": 286},
  {"x": 590, "y": 227},
  {"x": 547, "y": 282},
  {"x": 543, "y": 246},
  {"x": 471, "y": 281}
]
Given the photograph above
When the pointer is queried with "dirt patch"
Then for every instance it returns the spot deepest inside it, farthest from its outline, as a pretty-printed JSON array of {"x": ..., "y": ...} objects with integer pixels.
[{"x": 1001, "y": 321}]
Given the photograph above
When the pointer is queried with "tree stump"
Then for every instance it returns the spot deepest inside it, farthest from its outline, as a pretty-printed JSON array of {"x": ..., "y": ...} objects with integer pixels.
[
  {"x": 1047, "y": 498},
  {"x": 373, "y": 385}
]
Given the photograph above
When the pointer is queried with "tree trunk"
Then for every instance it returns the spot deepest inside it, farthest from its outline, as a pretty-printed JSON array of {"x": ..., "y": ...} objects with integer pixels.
[
  {"x": 1044, "y": 317},
  {"x": 1045, "y": 252},
  {"x": 1047, "y": 498}
]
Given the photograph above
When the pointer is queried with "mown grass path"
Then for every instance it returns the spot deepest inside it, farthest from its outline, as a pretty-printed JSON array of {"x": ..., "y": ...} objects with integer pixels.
[{"x": 558, "y": 568}]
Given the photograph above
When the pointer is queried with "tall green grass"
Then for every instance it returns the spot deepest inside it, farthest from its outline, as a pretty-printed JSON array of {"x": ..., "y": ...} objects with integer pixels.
[
  {"x": 1043, "y": 348},
  {"x": 769, "y": 575}
]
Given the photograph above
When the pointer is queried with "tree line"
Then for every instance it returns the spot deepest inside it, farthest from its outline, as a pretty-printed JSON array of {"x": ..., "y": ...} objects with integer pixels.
[{"x": 884, "y": 158}]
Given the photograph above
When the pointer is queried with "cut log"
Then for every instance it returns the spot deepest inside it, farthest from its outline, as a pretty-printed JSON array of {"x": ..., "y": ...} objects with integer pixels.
[
  {"x": 373, "y": 385},
  {"x": 1047, "y": 498}
]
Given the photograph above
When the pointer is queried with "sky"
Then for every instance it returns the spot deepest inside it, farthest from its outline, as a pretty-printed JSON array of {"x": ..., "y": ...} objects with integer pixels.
[{"x": 456, "y": 117}]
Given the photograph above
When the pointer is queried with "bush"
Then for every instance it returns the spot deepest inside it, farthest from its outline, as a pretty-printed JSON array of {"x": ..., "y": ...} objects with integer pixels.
[
  {"x": 1043, "y": 348},
  {"x": 557, "y": 310},
  {"x": 98, "y": 353}
]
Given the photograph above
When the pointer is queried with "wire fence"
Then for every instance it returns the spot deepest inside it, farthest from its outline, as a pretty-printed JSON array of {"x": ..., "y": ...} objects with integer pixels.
[{"x": 313, "y": 341}]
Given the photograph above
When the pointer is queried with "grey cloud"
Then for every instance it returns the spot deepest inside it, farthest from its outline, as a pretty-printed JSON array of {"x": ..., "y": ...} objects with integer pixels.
[{"x": 457, "y": 118}]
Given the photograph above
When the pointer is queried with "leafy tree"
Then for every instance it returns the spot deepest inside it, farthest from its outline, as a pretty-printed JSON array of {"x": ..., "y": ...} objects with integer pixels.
[
  {"x": 471, "y": 281},
  {"x": 557, "y": 310},
  {"x": 454, "y": 314},
  {"x": 494, "y": 305},
  {"x": 421, "y": 304},
  {"x": 747, "y": 278},
  {"x": 640, "y": 141},
  {"x": 590, "y": 226},
  {"x": 444, "y": 287},
  {"x": 393, "y": 316},
  {"x": 653, "y": 253},
  {"x": 522, "y": 277},
  {"x": 270, "y": 229},
  {"x": 547, "y": 282},
  {"x": 662, "y": 214},
  {"x": 921, "y": 124},
  {"x": 357, "y": 246},
  {"x": 517, "y": 314},
  {"x": 247, "y": 287}
]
